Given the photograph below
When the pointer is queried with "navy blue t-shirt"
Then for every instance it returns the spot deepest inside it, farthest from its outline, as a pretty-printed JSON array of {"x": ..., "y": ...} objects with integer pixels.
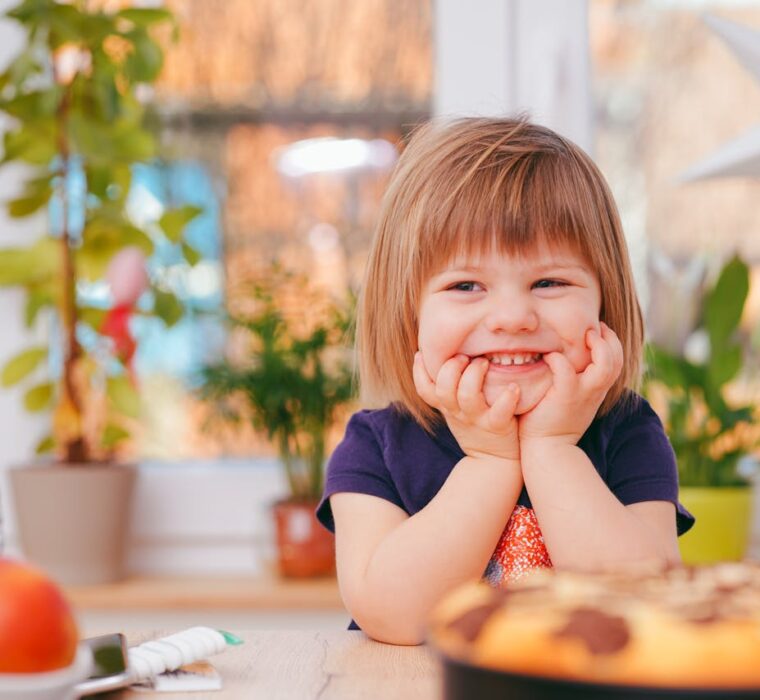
[{"x": 386, "y": 453}]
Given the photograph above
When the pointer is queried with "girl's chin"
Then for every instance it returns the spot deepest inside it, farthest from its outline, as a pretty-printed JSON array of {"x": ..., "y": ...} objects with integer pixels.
[{"x": 529, "y": 396}]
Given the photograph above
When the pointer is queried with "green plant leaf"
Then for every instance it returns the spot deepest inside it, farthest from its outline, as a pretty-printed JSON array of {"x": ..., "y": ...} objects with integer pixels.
[
  {"x": 22, "y": 365},
  {"x": 109, "y": 181},
  {"x": 65, "y": 23},
  {"x": 144, "y": 63},
  {"x": 106, "y": 143},
  {"x": 26, "y": 266},
  {"x": 109, "y": 228},
  {"x": 92, "y": 260},
  {"x": 21, "y": 68},
  {"x": 123, "y": 396},
  {"x": 45, "y": 445},
  {"x": 145, "y": 16},
  {"x": 39, "y": 398},
  {"x": 31, "y": 106},
  {"x": 92, "y": 316},
  {"x": 113, "y": 435},
  {"x": 173, "y": 221},
  {"x": 670, "y": 369},
  {"x": 28, "y": 11},
  {"x": 192, "y": 256},
  {"x": 133, "y": 143},
  {"x": 31, "y": 203},
  {"x": 96, "y": 27},
  {"x": 167, "y": 307},
  {"x": 725, "y": 302},
  {"x": 38, "y": 297},
  {"x": 724, "y": 364},
  {"x": 105, "y": 236},
  {"x": 33, "y": 143},
  {"x": 106, "y": 97},
  {"x": 714, "y": 398}
]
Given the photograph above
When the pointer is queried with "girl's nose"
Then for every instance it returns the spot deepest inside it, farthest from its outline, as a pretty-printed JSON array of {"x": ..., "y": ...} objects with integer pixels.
[{"x": 514, "y": 315}]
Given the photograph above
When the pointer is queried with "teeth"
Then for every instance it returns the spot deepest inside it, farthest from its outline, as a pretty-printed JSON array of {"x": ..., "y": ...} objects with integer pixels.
[{"x": 514, "y": 358}]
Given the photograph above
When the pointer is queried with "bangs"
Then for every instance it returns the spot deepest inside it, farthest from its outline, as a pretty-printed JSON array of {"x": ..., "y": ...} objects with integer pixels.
[{"x": 509, "y": 205}]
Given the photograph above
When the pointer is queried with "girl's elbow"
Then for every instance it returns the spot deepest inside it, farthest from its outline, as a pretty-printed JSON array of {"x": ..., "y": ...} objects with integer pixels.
[
  {"x": 396, "y": 636},
  {"x": 383, "y": 617},
  {"x": 388, "y": 628}
]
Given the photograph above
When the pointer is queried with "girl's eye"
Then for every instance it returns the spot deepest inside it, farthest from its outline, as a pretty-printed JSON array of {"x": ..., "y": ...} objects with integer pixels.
[
  {"x": 547, "y": 284},
  {"x": 465, "y": 287}
]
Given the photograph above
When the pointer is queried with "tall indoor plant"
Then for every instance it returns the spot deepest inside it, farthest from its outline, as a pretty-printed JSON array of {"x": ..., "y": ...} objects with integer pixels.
[
  {"x": 77, "y": 128},
  {"x": 294, "y": 380},
  {"x": 709, "y": 432}
]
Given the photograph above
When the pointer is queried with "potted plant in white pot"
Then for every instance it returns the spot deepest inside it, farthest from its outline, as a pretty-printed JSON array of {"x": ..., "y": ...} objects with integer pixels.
[
  {"x": 710, "y": 433},
  {"x": 77, "y": 127},
  {"x": 292, "y": 385}
]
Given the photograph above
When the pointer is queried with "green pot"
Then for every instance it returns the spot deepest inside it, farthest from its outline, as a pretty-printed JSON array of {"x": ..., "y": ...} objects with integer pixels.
[{"x": 721, "y": 532}]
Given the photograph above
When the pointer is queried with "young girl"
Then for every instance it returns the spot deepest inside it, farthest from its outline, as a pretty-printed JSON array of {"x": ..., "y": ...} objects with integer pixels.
[{"x": 499, "y": 323}]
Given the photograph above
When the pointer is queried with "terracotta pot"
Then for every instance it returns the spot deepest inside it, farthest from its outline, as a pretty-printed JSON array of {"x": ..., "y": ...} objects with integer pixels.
[
  {"x": 73, "y": 519},
  {"x": 304, "y": 547}
]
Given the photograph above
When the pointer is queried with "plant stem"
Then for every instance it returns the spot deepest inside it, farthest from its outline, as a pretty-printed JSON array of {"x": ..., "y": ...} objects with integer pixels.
[
  {"x": 317, "y": 458},
  {"x": 75, "y": 447},
  {"x": 287, "y": 460}
]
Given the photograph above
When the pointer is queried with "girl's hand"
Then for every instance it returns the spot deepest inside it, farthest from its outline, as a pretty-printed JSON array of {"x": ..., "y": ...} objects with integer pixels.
[
  {"x": 457, "y": 392},
  {"x": 570, "y": 404}
]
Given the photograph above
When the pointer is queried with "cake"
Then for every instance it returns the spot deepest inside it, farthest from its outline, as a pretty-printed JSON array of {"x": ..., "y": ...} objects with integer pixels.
[{"x": 685, "y": 628}]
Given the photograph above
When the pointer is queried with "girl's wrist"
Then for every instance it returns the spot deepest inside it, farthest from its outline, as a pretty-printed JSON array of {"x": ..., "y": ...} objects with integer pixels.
[
  {"x": 542, "y": 448},
  {"x": 492, "y": 461}
]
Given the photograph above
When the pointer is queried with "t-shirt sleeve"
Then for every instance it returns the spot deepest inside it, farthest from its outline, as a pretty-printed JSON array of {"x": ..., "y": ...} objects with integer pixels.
[
  {"x": 357, "y": 466},
  {"x": 642, "y": 464}
]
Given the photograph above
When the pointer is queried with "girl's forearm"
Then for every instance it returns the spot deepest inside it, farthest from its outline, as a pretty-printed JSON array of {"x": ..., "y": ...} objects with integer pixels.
[
  {"x": 583, "y": 524},
  {"x": 446, "y": 543}
]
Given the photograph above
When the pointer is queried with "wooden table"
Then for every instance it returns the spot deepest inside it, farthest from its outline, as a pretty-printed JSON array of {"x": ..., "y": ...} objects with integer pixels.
[
  {"x": 266, "y": 591},
  {"x": 294, "y": 665}
]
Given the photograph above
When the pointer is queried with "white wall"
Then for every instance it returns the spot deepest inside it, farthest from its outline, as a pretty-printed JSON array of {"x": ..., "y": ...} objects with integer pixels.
[
  {"x": 19, "y": 430},
  {"x": 205, "y": 517},
  {"x": 497, "y": 57}
]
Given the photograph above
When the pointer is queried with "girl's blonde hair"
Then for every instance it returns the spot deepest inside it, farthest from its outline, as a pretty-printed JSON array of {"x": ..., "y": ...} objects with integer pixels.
[{"x": 473, "y": 185}]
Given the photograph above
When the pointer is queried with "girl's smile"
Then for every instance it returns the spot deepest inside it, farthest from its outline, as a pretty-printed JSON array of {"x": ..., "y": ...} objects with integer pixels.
[
  {"x": 513, "y": 360},
  {"x": 512, "y": 311}
]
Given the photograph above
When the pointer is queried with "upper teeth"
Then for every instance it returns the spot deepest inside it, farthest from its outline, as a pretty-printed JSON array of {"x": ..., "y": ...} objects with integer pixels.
[{"x": 514, "y": 358}]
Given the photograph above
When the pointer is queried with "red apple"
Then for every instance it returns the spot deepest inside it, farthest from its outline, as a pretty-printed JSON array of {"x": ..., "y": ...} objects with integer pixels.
[{"x": 37, "y": 627}]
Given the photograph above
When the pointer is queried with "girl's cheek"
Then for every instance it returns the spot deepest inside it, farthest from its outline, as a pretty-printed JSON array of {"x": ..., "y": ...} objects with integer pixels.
[
  {"x": 430, "y": 360},
  {"x": 577, "y": 350}
]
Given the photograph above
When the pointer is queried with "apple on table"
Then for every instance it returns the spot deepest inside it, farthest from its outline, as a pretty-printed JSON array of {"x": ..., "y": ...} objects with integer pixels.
[{"x": 38, "y": 631}]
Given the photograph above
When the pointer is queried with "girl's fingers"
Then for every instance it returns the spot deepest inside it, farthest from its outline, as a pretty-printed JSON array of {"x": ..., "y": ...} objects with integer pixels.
[
  {"x": 503, "y": 410},
  {"x": 564, "y": 376},
  {"x": 606, "y": 359},
  {"x": 618, "y": 356},
  {"x": 422, "y": 382},
  {"x": 470, "y": 391},
  {"x": 447, "y": 382}
]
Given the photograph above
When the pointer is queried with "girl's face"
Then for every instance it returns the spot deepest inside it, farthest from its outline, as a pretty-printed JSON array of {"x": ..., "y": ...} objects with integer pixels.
[{"x": 511, "y": 310}]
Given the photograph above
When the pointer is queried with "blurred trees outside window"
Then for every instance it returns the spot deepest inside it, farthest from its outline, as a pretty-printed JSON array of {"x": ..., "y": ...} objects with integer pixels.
[{"x": 239, "y": 87}]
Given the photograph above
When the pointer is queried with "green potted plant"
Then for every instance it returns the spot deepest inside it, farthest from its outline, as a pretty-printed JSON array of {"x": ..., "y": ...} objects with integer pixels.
[
  {"x": 296, "y": 378},
  {"x": 77, "y": 128},
  {"x": 710, "y": 432}
]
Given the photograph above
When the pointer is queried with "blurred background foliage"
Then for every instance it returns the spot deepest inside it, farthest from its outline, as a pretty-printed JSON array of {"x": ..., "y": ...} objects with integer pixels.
[{"x": 78, "y": 125}]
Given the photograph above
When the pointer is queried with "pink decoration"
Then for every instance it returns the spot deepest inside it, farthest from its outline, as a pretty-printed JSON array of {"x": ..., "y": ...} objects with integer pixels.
[{"x": 127, "y": 276}]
